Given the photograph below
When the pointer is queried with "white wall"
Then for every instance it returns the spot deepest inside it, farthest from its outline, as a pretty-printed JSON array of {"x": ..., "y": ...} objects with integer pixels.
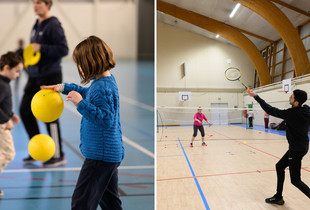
[
  {"x": 274, "y": 96},
  {"x": 114, "y": 22},
  {"x": 206, "y": 61}
]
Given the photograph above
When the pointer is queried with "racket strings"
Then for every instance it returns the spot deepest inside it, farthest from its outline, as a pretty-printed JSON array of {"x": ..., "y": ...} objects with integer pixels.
[{"x": 233, "y": 74}]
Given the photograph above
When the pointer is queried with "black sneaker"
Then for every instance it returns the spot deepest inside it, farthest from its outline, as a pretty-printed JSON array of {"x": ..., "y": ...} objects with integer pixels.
[
  {"x": 54, "y": 162},
  {"x": 28, "y": 160},
  {"x": 275, "y": 200}
]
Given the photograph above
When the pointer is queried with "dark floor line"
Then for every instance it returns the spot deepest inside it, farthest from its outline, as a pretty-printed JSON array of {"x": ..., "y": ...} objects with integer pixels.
[
  {"x": 121, "y": 192},
  {"x": 77, "y": 152},
  {"x": 150, "y": 136},
  {"x": 68, "y": 197}
]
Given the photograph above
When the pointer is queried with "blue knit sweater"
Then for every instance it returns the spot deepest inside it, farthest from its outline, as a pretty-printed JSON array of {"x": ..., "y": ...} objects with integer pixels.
[{"x": 101, "y": 134}]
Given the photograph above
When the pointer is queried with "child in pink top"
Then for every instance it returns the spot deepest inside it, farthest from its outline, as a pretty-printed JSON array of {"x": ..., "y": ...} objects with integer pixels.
[{"x": 198, "y": 118}]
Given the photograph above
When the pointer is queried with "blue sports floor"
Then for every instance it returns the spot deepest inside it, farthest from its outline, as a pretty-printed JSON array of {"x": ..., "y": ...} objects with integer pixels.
[{"x": 36, "y": 188}]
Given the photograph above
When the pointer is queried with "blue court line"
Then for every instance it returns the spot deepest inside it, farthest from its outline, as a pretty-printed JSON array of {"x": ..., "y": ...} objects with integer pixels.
[
  {"x": 197, "y": 183},
  {"x": 268, "y": 130}
]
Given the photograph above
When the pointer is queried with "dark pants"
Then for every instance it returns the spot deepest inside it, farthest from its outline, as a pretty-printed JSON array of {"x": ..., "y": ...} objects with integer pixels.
[
  {"x": 97, "y": 184},
  {"x": 266, "y": 122},
  {"x": 251, "y": 122},
  {"x": 200, "y": 128},
  {"x": 29, "y": 120},
  {"x": 293, "y": 160}
]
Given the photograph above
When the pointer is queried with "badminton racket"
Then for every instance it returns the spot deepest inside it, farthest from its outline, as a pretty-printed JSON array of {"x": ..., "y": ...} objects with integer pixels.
[{"x": 234, "y": 74}]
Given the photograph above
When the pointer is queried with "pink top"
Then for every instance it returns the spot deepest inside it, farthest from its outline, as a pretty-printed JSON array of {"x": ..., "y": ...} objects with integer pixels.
[{"x": 200, "y": 117}]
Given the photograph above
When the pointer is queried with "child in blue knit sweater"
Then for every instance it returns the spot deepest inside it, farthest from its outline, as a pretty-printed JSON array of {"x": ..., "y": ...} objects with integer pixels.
[{"x": 101, "y": 135}]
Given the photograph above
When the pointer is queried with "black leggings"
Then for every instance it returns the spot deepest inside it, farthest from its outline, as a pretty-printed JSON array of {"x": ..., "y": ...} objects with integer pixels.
[
  {"x": 29, "y": 121},
  {"x": 293, "y": 160},
  {"x": 97, "y": 185},
  {"x": 250, "y": 122},
  {"x": 201, "y": 129}
]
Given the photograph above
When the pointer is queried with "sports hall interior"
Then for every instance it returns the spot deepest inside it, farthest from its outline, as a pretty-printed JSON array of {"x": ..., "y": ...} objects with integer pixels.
[
  {"x": 128, "y": 28},
  {"x": 269, "y": 41}
]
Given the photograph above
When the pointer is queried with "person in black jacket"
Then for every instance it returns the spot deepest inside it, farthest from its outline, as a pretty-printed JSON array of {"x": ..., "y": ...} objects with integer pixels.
[
  {"x": 48, "y": 38},
  {"x": 297, "y": 125}
]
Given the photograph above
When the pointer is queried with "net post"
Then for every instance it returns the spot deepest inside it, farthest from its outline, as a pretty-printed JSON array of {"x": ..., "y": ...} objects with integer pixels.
[{"x": 157, "y": 129}]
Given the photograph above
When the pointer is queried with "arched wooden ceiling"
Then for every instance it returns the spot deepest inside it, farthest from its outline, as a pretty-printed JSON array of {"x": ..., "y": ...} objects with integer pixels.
[
  {"x": 286, "y": 30},
  {"x": 226, "y": 31}
]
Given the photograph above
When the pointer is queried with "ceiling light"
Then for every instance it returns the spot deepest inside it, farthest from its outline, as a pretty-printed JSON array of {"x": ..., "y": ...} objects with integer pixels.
[
  {"x": 217, "y": 36},
  {"x": 234, "y": 10}
]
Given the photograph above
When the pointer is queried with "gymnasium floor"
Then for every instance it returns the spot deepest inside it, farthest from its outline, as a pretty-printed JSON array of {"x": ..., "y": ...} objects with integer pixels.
[
  {"x": 36, "y": 188},
  {"x": 235, "y": 171}
]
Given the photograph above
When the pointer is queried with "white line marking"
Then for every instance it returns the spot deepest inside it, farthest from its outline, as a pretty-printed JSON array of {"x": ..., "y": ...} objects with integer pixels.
[
  {"x": 128, "y": 141},
  {"x": 69, "y": 169},
  {"x": 136, "y": 103},
  {"x": 138, "y": 147}
]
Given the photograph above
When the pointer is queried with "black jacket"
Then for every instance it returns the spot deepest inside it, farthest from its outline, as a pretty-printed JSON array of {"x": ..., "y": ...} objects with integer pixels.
[
  {"x": 51, "y": 36},
  {"x": 297, "y": 123},
  {"x": 5, "y": 100}
]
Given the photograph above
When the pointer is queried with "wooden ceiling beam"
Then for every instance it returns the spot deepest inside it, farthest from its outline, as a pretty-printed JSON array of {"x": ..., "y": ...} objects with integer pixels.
[
  {"x": 225, "y": 31},
  {"x": 291, "y": 7},
  {"x": 288, "y": 33}
]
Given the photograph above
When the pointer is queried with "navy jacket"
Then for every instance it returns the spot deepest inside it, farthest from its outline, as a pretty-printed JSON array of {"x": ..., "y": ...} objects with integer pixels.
[
  {"x": 51, "y": 36},
  {"x": 5, "y": 100},
  {"x": 297, "y": 123}
]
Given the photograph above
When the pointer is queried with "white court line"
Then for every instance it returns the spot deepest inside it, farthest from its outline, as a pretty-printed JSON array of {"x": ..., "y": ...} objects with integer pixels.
[
  {"x": 137, "y": 146},
  {"x": 136, "y": 103},
  {"x": 127, "y": 140},
  {"x": 69, "y": 169}
]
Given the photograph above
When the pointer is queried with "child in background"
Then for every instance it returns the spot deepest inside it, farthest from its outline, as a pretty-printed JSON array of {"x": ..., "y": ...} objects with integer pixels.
[
  {"x": 266, "y": 119},
  {"x": 251, "y": 118},
  {"x": 101, "y": 135},
  {"x": 11, "y": 64}
]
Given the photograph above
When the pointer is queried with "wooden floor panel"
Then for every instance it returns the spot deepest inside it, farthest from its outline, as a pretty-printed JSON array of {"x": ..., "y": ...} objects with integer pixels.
[{"x": 235, "y": 171}]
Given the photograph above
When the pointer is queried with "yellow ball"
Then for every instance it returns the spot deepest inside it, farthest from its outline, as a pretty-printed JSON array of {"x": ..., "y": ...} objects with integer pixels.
[
  {"x": 30, "y": 56},
  {"x": 41, "y": 147},
  {"x": 47, "y": 105},
  {"x": 244, "y": 142}
]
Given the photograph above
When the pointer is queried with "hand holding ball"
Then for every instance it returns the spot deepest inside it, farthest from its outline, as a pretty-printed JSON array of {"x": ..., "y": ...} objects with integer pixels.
[{"x": 47, "y": 105}]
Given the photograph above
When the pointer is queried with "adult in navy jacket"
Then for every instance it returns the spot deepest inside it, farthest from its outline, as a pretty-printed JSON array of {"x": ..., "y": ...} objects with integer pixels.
[{"x": 48, "y": 38}]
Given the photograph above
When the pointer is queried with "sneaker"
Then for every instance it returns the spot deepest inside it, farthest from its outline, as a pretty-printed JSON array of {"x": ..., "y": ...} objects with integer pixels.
[
  {"x": 204, "y": 144},
  {"x": 275, "y": 200},
  {"x": 28, "y": 160},
  {"x": 54, "y": 162},
  {"x": 1, "y": 193},
  {"x": 191, "y": 145}
]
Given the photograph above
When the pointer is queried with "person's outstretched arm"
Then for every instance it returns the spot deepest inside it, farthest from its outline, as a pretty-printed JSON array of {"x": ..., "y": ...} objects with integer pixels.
[{"x": 268, "y": 108}]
